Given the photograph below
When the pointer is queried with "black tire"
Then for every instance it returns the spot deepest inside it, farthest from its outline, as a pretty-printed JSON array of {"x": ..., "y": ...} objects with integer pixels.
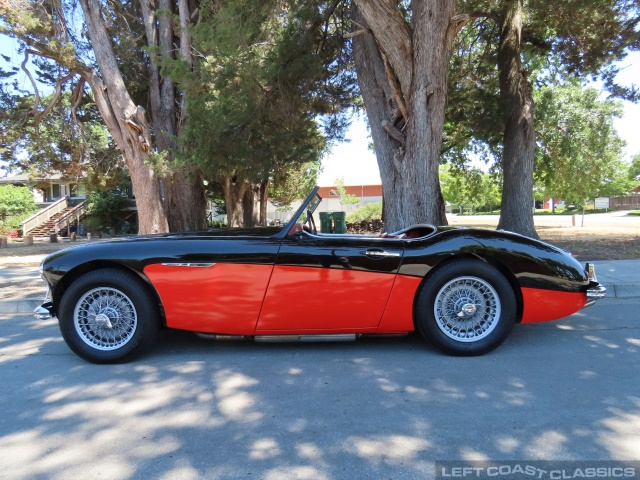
[
  {"x": 466, "y": 307},
  {"x": 108, "y": 316}
]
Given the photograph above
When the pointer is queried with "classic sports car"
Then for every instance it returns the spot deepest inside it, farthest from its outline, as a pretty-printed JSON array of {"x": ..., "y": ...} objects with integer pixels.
[{"x": 462, "y": 289}]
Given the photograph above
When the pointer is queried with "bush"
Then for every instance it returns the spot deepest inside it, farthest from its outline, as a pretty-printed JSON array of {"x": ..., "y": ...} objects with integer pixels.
[
  {"x": 15, "y": 201},
  {"x": 367, "y": 213},
  {"x": 106, "y": 208}
]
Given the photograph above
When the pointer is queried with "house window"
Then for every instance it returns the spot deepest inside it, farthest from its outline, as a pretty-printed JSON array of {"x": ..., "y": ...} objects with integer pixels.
[
  {"x": 55, "y": 191},
  {"x": 334, "y": 193},
  {"x": 73, "y": 190}
]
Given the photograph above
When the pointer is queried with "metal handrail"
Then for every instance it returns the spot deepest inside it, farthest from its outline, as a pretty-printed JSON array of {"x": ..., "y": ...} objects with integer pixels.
[{"x": 43, "y": 215}]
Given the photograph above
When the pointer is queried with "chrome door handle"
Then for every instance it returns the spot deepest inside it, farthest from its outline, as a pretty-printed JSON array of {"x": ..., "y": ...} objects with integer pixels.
[{"x": 380, "y": 253}]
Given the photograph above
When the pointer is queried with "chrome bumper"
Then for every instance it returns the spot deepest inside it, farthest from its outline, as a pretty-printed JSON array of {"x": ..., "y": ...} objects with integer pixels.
[
  {"x": 597, "y": 292},
  {"x": 45, "y": 311}
]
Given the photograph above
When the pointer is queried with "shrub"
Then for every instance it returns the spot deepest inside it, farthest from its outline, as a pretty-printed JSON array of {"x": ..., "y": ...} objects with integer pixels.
[
  {"x": 369, "y": 212},
  {"x": 107, "y": 207},
  {"x": 16, "y": 201}
]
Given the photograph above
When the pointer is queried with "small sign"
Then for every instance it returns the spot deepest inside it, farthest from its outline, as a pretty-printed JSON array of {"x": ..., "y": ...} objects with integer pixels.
[{"x": 601, "y": 203}]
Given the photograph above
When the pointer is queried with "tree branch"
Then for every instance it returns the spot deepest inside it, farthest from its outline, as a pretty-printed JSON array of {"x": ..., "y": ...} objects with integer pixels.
[
  {"x": 34, "y": 112},
  {"x": 459, "y": 21},
  {"x": 54, "y": 99}
]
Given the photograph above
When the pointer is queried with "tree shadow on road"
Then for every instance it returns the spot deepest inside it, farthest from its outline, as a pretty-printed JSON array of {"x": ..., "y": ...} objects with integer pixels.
[{"x": 376, "y": 408}]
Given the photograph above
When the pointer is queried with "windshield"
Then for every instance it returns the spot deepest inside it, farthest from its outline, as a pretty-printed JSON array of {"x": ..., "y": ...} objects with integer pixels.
[
  {"x": 303, "y": 213},
  {"x": 311, "y": 207}
]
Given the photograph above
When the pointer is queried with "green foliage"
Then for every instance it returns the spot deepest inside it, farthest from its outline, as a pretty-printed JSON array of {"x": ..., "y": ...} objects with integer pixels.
[
  {"x": 574, "y": 39},
  {"x": 469, "y": 187},
  {"x": 579, "y": 152},
  {"x": 634, "y": 169},
  {"x": 371, "y": 211},
  {"x": 290, "y": 184},
  {"x": 106, "y": 207},
  {"x": 345, "y": 198},
  {"x": 16, "y": 201},
  {"x": 268, "y": 73},
  {"x": 59, "y": 143}
]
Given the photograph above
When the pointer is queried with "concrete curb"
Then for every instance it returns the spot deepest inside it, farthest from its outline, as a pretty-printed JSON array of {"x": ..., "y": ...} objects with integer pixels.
[
  {"x": 24, "y": 305},
  {"x": 627, "y": 290}
]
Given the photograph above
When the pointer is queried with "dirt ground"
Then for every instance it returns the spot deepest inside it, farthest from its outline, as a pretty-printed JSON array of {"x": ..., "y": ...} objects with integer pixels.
[
  {"x": 609, "y": 242},
  {"x": 590, "y": 243}
]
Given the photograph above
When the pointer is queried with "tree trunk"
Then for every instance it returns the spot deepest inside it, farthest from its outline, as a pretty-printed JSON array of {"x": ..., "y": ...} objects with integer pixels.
[
  {"x": 126, "y": 122},
  {"x": 250, "y": 206},
  {"x": 516, "y": 93},
  {"x": 403, "y": 79},
  {"x": 234, "y": 190},
  {"x": 264, "y": 188},
  {"x": 185, "y": 200}
]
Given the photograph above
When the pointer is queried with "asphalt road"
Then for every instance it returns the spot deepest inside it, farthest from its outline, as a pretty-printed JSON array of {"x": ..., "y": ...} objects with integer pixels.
[{"x": 376, "y": 408}]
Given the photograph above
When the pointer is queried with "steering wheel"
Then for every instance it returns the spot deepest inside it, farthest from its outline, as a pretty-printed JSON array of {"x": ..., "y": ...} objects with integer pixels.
[{"x": 312, "y": 223}]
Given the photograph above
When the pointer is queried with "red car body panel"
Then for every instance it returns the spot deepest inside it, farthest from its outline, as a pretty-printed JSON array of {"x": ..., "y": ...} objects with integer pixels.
[
  {"x": 224, "y": 298},
  {"x": 540, "y": 305},
  {"x": 324, "y": 300},
  {"x": 240, "y": 299},
  {"x": 398, "y": 315}
]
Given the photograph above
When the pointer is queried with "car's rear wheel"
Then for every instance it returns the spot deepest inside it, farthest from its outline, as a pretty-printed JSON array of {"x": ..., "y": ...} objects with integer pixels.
[
  {"x": 108, "y": 316},
  {"x": 466, "y": 307}
]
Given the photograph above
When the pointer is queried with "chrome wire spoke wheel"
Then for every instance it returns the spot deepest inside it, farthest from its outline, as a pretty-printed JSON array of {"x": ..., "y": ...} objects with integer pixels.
[
  {"x": 105, "y": 318},
  {"x": 467, "y": 309}
]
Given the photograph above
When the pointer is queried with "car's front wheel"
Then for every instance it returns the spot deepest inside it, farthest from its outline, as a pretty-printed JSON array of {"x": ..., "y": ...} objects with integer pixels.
[
  {"x": 108, "y": 316},
  {"x": 466, "y": 307}
]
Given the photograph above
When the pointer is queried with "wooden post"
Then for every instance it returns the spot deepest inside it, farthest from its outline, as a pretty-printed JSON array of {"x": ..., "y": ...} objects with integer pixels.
[
  {"x": 28, "y": 240},
  {"x": 3, "y": 242},
  {"x": 53, "y": 237}
]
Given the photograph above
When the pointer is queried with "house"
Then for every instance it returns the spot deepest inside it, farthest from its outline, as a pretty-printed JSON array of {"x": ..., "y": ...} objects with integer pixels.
[
  {"x": 61, "y": 202},
  {"x": 48, "y": 189}
]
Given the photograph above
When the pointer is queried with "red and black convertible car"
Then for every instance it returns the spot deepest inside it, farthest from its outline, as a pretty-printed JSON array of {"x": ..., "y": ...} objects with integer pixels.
[{"x": 462, "y": 289}]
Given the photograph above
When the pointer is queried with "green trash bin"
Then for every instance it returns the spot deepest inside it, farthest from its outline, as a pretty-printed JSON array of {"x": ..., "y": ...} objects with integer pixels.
[
  {"x": 325, "y": 222},
  {"x": 339, "y": 222}
]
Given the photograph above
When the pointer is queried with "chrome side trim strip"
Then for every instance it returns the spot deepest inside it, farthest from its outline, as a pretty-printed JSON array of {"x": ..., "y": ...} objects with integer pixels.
[{"x": 196, "y": 265}]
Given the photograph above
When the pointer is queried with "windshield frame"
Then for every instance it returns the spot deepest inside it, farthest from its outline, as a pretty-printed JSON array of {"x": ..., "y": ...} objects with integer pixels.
[{"x": 309, "y": 205}]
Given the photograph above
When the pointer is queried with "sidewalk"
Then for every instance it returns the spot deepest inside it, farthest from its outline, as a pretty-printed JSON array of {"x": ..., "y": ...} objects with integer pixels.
[{"x": 22, "y": 289}]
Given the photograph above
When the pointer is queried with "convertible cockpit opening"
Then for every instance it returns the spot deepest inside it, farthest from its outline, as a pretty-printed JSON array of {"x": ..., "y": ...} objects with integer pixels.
[{"x": 414, "y": 231}]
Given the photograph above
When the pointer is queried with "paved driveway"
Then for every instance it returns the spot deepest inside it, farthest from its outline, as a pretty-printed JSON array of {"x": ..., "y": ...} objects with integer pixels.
[{"x": 376, "y": 408}]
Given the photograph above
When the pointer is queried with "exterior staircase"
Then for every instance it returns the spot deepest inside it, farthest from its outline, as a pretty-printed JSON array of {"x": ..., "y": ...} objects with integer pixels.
[
  {"x": 46, "y": 228},
  {"x": 56, "y": 218}
]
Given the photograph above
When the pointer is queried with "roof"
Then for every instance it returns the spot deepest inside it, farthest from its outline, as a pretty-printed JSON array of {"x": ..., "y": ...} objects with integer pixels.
[{"x": 26, "y": 177}]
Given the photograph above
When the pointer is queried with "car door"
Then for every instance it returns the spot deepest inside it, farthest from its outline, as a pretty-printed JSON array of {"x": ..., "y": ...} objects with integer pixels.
[
  {"x": 214, "y": 285},
  {"x": 329, "y": 284}
]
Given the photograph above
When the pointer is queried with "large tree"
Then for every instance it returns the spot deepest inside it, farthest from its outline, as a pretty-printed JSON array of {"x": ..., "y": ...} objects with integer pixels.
[
  {"x": 402, "y": 60},
  {"x": 46, "y": 32},
  {"x": 119, "y": 88},
  {"x": 517, "y": 42},
  {"x": 70, "y": 140},
  {"x": 579, "y": 153},
  {"x": 269, "y": 70}
]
